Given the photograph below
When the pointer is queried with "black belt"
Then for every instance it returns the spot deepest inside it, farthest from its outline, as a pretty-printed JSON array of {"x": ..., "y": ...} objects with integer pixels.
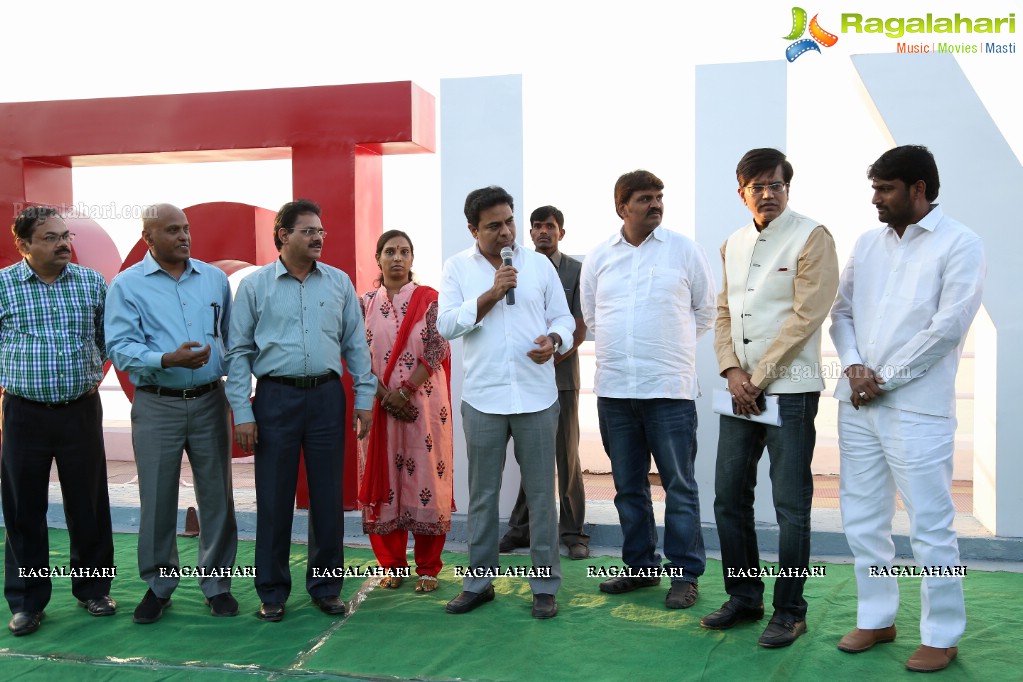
[
  {"x": 56, "y": 406},
  {"x": 303, "y": 382},
  {"x": 186, "y": 393}
]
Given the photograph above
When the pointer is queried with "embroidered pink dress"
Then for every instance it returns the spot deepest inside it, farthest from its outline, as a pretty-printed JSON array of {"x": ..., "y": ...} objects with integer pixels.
[{"x": 419, "y": 499}]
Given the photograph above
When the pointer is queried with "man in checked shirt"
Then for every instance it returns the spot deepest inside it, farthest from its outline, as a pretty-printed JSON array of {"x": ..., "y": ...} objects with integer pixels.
[{"x": 51, "y": 363}]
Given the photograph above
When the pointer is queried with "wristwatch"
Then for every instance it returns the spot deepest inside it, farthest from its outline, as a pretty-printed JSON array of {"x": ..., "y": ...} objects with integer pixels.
[{"x": 555, "y": 341}]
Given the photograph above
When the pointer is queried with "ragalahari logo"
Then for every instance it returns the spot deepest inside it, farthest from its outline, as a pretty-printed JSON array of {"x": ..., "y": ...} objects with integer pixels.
[{"x": 817, "y": 35}]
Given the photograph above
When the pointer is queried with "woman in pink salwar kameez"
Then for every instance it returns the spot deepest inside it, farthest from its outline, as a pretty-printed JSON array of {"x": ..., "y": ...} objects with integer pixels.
[{"x": 406, "y": 473}]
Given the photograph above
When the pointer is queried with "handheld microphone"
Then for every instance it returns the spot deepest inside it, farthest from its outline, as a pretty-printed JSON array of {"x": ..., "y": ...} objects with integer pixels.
[{"x": 506, "y": 256}]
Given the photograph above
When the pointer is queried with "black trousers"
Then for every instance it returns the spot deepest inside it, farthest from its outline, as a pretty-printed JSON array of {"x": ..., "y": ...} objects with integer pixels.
[{"x": 33, "y": 437}]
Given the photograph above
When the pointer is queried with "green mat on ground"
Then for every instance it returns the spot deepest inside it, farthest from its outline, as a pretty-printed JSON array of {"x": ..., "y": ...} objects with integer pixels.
[{"x": 399, "y": 634}]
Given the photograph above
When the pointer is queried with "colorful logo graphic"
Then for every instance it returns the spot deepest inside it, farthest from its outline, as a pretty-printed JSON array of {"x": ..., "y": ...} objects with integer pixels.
[{"x": 817, "y": 35}]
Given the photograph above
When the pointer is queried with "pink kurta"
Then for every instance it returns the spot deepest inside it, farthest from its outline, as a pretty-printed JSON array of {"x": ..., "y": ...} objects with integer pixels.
[{"x": 419, "y": 477}]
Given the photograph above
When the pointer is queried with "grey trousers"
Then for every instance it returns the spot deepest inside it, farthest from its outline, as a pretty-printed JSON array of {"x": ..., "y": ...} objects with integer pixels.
[
  {"x": 161, "y": 428},
  {"x": 571, "y": 491},
  {"x": 486, "y": 438}
]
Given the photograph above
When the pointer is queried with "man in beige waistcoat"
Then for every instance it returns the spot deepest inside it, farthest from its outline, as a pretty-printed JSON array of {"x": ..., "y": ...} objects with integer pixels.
[{"x": 780, "y": 279}]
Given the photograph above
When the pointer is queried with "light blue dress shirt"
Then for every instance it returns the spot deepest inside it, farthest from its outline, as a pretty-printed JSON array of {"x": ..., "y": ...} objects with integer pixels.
[
  {"x": 149, "y": 313},
  {"x": 283, "y": 327}
]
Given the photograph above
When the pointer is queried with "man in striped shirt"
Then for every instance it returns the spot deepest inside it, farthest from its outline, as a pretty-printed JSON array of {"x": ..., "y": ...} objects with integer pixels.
[{"x": 51, "y": 364}]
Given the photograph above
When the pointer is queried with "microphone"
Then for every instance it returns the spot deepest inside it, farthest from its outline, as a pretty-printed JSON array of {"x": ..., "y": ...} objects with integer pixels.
[{"x": 506, "y": 256}]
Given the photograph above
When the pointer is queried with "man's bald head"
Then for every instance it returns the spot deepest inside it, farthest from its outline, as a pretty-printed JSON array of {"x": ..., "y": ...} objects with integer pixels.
[
  {"x": 165, "y": 231},
  {"x": 159, "y": 215}
]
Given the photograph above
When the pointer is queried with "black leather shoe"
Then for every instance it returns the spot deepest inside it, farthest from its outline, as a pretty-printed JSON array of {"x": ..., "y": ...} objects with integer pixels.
[
  {"x": 271, "y": 612},
  {"x": 101, "y": 606},
  {"x": 467, "y": 601},
  {"x": 782, "y": 630},
  {"x": 544, "y": 606},
  {"x": 620, "y": 584},
  {"x": 333, "y": 606},
  {"x": 150, "y": 609},
  {"x": 510, "y": 544},
  {"x": 731, "y": 614},
  {"x": 682, "y": 595},
  {"x": 25, "y": 622},
  {"x": 223, "y": 605}
]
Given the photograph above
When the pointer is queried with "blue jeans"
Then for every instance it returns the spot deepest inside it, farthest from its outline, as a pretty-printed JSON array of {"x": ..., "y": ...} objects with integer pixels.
[
  {"x": 740, "y": 445},
  {"x": 632, "y": 430}
]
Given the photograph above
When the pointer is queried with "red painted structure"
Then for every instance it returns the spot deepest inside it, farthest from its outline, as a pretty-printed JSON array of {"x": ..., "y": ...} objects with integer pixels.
[{"x": 335, "y": 137}]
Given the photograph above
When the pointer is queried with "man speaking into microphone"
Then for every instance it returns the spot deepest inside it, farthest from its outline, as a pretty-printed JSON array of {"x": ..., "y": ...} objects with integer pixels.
[{"x": 509, "y": 388}]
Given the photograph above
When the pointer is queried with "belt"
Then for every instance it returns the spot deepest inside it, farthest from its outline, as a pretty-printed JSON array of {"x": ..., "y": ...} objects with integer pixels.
[
  {"x": 56, "y": 406},
  {"x": 186, "y": 393},
  {"x": 303, "y": 382}
]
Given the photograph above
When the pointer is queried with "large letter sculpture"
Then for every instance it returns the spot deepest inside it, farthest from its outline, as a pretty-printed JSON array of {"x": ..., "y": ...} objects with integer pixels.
[{"x": 334, "y": 135}]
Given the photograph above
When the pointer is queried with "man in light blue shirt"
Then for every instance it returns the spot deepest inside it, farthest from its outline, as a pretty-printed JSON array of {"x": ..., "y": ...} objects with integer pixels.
[
  {"x": 294, "y": 320},
  {"x": 166, "y": 325}
]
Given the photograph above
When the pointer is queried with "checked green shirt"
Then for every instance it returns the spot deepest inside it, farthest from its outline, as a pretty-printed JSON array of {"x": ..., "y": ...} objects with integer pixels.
[{"x": 51, "y": 335}]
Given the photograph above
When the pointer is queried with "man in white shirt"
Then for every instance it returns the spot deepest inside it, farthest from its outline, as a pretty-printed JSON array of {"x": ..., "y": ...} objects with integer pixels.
[
  {"x": 513, "y": 319},
  {"x": 648, "y": 295},
  {"x": 905, "y": 303}
]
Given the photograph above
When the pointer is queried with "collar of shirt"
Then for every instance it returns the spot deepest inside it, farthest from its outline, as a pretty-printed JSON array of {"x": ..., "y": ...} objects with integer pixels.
[
  {"x": 280, "y": 269},
  {"x": 556, "y": 259},
  {"x": 619, "y": 237},
  {"x": 516, "y": 251},
  {"x": 151, "y": 266},
  {"x": 926, "y": 225},
  {"x": 930, "y": 221},
  {"x": 25, "y": 272},
  {"x": 784, "y": 219}
]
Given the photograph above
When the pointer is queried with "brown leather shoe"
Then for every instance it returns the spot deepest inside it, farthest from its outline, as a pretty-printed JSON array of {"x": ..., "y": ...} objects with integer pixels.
[
  {"x": 860, "y": 640},
  {"x": 929, "y": 659}
]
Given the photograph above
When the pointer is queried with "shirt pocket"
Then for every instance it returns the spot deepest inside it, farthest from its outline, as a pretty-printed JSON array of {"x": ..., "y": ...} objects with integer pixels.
[
  {"x": 918, "y": 281},
  {"x": 330, "y": 320},
  {"x": 779, "y": 285},
  {"x": 668, "y": 282}
]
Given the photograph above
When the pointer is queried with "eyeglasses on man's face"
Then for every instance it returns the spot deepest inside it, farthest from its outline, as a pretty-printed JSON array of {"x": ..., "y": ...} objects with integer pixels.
[
  {"x": 311, "y": 232},
  {"x": 774, "y": 187},
  {"x": 52, "y": 239}
]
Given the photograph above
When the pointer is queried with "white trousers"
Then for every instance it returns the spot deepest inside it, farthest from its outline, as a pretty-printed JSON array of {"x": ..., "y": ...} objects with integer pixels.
[{"x": 883, "y": 449}]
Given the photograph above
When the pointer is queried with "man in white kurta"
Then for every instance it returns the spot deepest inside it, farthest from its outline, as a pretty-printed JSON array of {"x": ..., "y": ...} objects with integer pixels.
[{"x": 905, "y": 303}]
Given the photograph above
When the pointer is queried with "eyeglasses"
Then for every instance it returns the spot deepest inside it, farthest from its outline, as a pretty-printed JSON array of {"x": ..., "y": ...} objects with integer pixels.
[
  {"x": 311, "y": 231},
  {"x": 775, "y": 187},
  {"x": 52, "y": 239}
]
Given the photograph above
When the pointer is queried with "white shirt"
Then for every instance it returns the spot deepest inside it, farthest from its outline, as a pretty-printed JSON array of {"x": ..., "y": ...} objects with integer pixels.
[
  {"x": 646, "y": 306},
  {"x": 499, "y": 376},
  {"x": 904, "y": 307}
]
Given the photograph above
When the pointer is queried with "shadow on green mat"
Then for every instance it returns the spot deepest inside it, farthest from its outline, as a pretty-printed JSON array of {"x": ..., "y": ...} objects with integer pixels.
[{"x": 399, "y": 634}]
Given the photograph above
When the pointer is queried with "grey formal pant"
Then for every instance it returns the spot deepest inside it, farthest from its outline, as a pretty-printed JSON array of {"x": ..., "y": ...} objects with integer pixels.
[
  {"x": 161, "y": 428},
  {"x": 486, "y": 438},
  {"x": 571, "y": 491}
]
